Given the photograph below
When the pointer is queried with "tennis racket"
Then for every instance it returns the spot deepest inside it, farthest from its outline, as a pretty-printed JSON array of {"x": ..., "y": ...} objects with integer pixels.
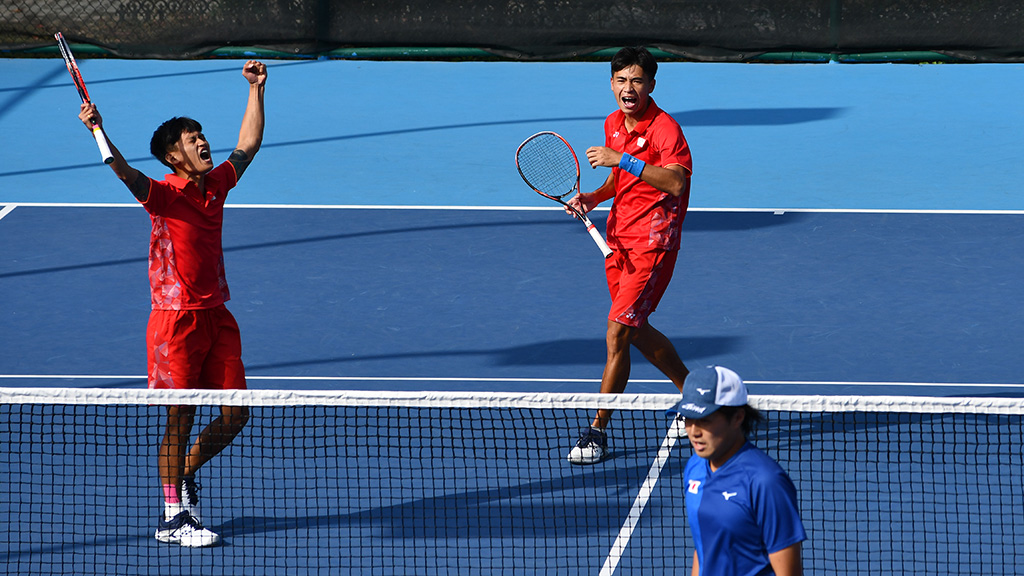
[
  {"x": 69, "y": 60},
  {"x": 548, "y": 164}
]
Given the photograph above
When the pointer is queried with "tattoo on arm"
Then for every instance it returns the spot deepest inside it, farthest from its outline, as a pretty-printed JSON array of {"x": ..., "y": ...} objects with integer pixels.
[
  {"x": 240, "y": 160},
  {"x": 140, "y": 187}
]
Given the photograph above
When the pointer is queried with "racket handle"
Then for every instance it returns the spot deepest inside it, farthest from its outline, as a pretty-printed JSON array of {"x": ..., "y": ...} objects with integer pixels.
[
  {"x": 598, "y": 239},
  {"x": 101, "y": 141}
]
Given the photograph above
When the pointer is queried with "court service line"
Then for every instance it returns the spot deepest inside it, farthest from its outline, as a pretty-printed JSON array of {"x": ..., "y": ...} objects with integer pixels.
[
  {"x": 307, "y": 378},
  {"x": 871, "y": 384},
  {"x": 777, "y": 211},
  {"x": 646, "y": 489},
  {"x": 7, "y": 209}
]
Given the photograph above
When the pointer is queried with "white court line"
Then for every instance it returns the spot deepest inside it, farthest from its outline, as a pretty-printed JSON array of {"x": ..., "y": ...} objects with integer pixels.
[
  {"x": 307, "y": 378},
  {"x": 633, "y": 518},
  {"x": 872, "y": 384},
  {"x": 778, "y": 211},
  {"x": 7, "y": 209}
]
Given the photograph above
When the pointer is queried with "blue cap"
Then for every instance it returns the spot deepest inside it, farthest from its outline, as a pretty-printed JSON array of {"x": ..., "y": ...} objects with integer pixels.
[{"x": 708, "y": 389}]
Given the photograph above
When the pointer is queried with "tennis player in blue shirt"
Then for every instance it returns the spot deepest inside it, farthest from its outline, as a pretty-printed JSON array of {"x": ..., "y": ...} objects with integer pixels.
[{"x": 741, "y": 505}]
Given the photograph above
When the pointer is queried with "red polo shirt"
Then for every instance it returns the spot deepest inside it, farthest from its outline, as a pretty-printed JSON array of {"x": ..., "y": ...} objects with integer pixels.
[
  {"x": 642, "y": 217},
  {"x": 186, "y": 258}
]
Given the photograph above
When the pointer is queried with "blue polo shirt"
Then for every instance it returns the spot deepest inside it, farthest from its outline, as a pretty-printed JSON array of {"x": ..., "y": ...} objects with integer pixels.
[{"x": 740, "y": 513}]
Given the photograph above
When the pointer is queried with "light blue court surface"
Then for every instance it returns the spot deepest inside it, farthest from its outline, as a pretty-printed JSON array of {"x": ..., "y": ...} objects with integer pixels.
[
  {"x": 397, "y": 133},
  {"x": 871, "y": 279}
]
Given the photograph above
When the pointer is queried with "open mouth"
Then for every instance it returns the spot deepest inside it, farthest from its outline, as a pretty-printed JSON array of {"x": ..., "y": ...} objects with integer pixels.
[
  {"x": 204, "y": 155},
  {"x": 630, "y": 101}
]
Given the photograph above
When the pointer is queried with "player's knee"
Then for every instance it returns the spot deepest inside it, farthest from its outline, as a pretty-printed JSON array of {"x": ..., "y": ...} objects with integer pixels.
[
  {"x": 242, "y": 418},
  {"x": 619, "y": 336},
  {"x": 179, "y": 419},
  {"x": 236, "y": 417}
]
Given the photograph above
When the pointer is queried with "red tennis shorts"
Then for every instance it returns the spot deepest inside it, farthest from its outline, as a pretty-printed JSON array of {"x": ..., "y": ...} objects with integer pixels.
[
  {"x": 637, "y": 281},
  {"x": 195, "y": 349}
]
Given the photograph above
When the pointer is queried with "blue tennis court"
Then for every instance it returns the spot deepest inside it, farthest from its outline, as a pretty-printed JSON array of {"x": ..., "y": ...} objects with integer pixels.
[
  {"x": 849, "y": 223},
  {"x": 853, "y": 230}
]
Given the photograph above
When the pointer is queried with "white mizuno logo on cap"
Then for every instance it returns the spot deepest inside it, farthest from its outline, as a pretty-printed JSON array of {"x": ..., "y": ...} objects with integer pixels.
[{"x": 703, "y": 391}]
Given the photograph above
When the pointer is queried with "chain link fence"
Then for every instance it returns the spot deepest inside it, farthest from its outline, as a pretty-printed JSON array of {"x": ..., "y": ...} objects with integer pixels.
[{"x": 723, "y": 30}]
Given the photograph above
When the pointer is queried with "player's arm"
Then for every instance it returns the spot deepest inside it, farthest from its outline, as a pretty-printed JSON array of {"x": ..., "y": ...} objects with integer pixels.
[
  {"x": 669, "y": 179},
  {"x": 787, "y": 562},
  {"x": 136, "y": 181},
  {"x": 250, "y": 136},
  {"x": 695, "y": 571}
]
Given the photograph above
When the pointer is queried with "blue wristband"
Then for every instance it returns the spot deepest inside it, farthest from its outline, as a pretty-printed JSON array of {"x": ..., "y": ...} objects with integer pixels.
[{"x": 634, "y": 166}]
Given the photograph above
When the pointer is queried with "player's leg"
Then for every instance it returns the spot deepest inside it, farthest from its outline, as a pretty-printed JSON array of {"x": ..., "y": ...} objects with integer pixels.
[
  {"x": 177, "y": 526},
  {"x": 661, "y": 353},
  {"x": 211, "y": 441},
  {"x": 216, "y": 437},
  {"x": 173, "y": 337},
  {"x": 654, "y": 345},
  {"x": 636, "y": 282},
  {"x": 221, "y": 370},
  {"x": 172, "y": 453},
  {"x": 592, "y": 446},
  {"x": 617, "y": 366}
]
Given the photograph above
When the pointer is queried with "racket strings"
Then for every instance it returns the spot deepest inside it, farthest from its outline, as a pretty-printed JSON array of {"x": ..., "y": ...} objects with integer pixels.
[{"x": 548, "y": 165}]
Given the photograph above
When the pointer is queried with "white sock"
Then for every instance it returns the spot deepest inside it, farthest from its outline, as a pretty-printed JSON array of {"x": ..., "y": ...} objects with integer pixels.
[{"x": 172, "y": 509}]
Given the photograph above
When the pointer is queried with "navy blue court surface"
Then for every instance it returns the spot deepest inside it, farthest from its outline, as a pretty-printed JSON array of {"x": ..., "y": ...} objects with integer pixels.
[{"x": 854, "y": 229}]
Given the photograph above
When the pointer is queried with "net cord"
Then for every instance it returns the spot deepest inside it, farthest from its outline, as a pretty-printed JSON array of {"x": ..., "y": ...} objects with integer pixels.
[{"x": 538, "y": 400}]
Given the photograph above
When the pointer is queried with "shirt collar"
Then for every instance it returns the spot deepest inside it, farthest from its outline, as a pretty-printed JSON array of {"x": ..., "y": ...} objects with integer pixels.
[
  {"x": 189, "y": 189},
  {"x": 177, "y": 181}
]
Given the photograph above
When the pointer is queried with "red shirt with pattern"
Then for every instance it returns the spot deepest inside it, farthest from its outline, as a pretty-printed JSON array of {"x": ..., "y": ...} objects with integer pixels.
[
  {"x": 186, "y": 258},
  {"x": 643, "y": 217}
]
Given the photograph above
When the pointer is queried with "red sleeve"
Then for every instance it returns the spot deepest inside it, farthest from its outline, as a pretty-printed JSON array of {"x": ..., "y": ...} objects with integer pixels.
[
  {"x": 160, "y": 194},
  {"x": 672, "y": 146}
]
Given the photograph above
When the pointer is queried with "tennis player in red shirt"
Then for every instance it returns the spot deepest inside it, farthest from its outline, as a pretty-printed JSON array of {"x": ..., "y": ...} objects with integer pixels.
[
  {"x": 650, "y": 184},
  {"x": 192, "y": 340}
]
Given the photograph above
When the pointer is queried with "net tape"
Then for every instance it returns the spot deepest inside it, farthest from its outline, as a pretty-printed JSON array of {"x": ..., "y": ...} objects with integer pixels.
[{"x": 538, "y": 400}]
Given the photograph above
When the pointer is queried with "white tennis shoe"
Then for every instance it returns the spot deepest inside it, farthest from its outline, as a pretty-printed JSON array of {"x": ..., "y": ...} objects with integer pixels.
[
  {"x": 186, "y": 531},
  {"x": 591, "y": 448}
]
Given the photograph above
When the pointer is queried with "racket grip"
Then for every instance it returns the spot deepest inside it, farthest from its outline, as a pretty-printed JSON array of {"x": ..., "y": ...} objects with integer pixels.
[
  {"x": 101, "y": 141},
  {"x": 598, "y": 239}
]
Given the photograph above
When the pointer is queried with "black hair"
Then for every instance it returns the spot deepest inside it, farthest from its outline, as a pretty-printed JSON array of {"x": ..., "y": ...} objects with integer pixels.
[
  {"x": 167, "y": 135},
  {"x": 751, "y": 416},
  {"x": 635, "y": 56}
]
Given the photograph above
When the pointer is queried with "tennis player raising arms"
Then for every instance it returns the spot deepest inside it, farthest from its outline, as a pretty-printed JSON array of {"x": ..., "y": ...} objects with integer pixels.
[
  {"x": 192, "y": 339},
  {"x": 741, "y": 505},
  {"x": 650, "y": 184}
]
